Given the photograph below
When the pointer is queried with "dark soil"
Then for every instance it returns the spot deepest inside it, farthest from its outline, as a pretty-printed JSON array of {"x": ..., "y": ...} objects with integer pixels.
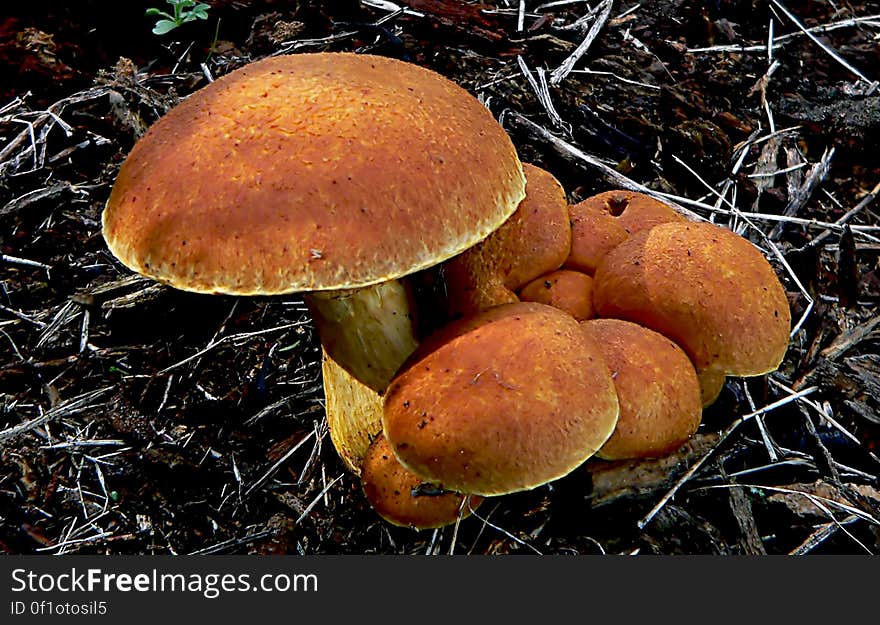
[{"x": 138, "y": 419}]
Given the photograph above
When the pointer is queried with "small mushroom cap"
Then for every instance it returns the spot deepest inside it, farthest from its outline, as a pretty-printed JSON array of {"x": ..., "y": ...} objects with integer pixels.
[
  {"x": 403, "y": 498},
  {"x": 506, "y": 400},
  {"x": 593, "y": 234},
  {"x": 309, "y": 172},
  {"x": 571, "y": 291},
  {"x": 656, "y": 385},
  {"x": 535, "y": 240},
  {"x": 711, "y": 384},
  {"x": 703, "y": 286},
  {"x": 601, "y": 222},
  {"x": 633, "y": 210}
]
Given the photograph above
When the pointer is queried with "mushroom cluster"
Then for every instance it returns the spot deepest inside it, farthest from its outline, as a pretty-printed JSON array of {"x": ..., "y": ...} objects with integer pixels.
[
  {"x": 562, "y": 331},
  {"x": 602, "y": 334},
  {"x": 506, "y": 396}
]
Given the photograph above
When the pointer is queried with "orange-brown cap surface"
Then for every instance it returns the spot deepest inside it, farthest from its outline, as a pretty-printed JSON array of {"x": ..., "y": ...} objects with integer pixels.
[
  {"x": 310, "y": 172},
  {"x": 703, "y": 286},
  {"x": 593, "y": 234},
  {"x": 506, "y": 400},
  {"x": 571, "y": 291},
  {"x": 657, "y": 387},
  {"x": 403, "y": 498},
  {"x": 711, "y": 385},
  {"x": 633, "y": 210},
  {"x": 603, "y": 221},
  {"x": 535, "y": 240}
]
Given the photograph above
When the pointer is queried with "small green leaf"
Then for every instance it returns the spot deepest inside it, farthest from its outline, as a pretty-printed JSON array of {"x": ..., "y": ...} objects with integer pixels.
[
  {"x": 164, "y": 26},
  {"x": 184, "y": 11},
  {"x": 152, "y": 12}
]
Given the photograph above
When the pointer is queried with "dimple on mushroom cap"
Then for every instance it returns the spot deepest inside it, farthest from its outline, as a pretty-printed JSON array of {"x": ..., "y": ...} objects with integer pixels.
[
  {"x": 633, "y": 210},
  {"x": 403, "y": 498},
  {"x": 306, "y": 172},
  {"x": 657, "y": 387},
  {"x": 506, "y": 400},
  {"x": 703, "y": 286}
]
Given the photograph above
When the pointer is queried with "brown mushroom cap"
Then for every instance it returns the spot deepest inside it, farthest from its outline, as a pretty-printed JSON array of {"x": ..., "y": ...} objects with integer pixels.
[
  {"x": 403, "y": 498},
  {"x": 711, "y": 384},
  {"x": 703, "y": 286},
  {"x": 571, "y": 291},
  {"x": 633, "y": 210},
  {"x": 603, "y": 221},
  {"x": 657, "y": 387},
  {"x": 506, "y": 400},
  {"x": 534, "y": 241},
  {"x": 593, "y": 234},
  {"x": 310, "y": 172}
]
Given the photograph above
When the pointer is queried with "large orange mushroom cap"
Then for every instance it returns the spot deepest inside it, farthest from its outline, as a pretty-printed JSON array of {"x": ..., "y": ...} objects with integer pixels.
[
  {"x": 332, "y": 174},
  {"x": 703, "y": 286},
  {"x": 506, "y": 400},
  {"x": 312, "y": 172}
]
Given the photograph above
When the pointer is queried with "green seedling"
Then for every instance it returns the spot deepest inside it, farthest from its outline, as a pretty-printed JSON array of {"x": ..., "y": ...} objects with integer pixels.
[{"x": 184, "y": 11}]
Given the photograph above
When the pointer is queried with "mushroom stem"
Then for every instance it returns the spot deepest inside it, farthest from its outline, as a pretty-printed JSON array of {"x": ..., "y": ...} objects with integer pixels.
[
  {"x": 354, "y": 413},
  {"x": 368, "y": 331}
]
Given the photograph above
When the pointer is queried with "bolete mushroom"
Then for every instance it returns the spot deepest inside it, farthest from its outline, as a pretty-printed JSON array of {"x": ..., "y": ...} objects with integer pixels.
[
  {"x": 711, "y": 385},
  {"x": 534, "y": 241},
  {"x": 633, "y": 210},
  {"x": 330, "y": 174},
  {"x": 565, "y": 289},
  {"x": 403, "y": 498},
  {"x": 706, "y": 288},
  {"x": 502, "y": 401},
  {"x": 657, "y": 387},
  {"x": 603, "y": 221}
]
